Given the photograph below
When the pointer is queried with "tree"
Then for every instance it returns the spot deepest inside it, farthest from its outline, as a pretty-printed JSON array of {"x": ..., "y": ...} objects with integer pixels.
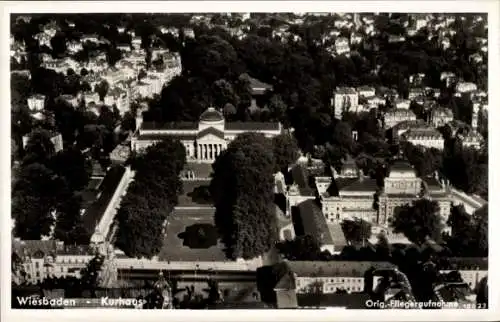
[
  {"x": 35, "y": 195},
  {"x": 223, "y": 93},
  {"x": 242, "y": 189},
  {"x": 113, "y": 55},
  {"x": 39, "y": 147},
  {"x": 342, "y": 136},
  {"x": 229, "y": 110},
  {"x": 85, "y": 87},
  {"x": 148, "y": 58},
  {"x": 418, "y": 221},
  {"x": 72, "y": 165},
  {"x": 425, "y": 161},
  {"x": 482, "y": 293},
  {"x": 107, "y": 118},
  {"x": 69, "y": 225},
  {"x": 302, "y": 248},
  {"x": 128, "y": 122},
  {"x": 383, "y": 247},
  {"x": 285, "y": 150},
  {"x": 277, "y": 107},
  {"x": 150, "y": 198},
  {"x": 58, "y": 44},
  {"x": 142, "y": 74},
  {"x": 480, "y": 218},
  {"x": 90, "y": 278},
  {"x": 102, "y": 89},
  {"x": 356, "y": 231}
]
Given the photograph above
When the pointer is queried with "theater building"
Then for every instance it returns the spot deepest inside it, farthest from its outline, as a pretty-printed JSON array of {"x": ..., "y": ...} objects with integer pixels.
[
  {"x": 403, "y": 186},
  {"x": 203, "y": 140}
]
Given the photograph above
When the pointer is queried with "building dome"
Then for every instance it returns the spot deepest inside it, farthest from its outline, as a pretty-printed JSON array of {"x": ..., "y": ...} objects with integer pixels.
[{"x": 211, "y": 115}]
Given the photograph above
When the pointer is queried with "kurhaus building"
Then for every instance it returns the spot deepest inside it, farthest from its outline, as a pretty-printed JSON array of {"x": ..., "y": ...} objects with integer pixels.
[{"x": 203, "y": 140}]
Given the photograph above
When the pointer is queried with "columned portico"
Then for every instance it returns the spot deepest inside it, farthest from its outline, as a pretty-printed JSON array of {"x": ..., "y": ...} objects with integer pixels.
[
  {"x": 204, "y": 141},
  {"x": 208, "y": 152}
]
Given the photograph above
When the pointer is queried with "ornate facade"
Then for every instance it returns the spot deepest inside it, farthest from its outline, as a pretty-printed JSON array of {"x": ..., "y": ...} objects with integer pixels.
[
  {"x": 204, "y": 140},
  {"x": 402, "y": 187}
]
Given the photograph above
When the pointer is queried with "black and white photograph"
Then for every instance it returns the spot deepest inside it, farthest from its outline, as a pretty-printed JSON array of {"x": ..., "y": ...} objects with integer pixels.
[{"x": 308, "y": 160}]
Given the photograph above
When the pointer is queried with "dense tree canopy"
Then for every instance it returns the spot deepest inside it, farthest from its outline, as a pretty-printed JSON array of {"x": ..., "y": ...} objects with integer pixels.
[
  {"x": 242, "y": 188},
  {"x": 35, "y": 195},
  {"x": 469, "y": 233},
  {"x": 425, "y": 161},
  {"x": 302, "y": 248},
  {"x": 419, "y": 221},
  {"x": 285, "y": 150},
  {"x": 39, "y": 147},
  {"x": 356, "y": 231},
  {"x": 466, "y": 168},
  {"x": 150, "y": 198}
]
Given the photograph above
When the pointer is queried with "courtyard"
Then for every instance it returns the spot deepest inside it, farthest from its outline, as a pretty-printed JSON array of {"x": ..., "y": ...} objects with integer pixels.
[{"x": 191, "y": 236}]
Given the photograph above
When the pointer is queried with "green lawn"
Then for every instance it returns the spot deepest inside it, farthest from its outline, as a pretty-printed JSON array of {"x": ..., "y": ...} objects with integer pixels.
[
  {"x": 174, "y": 248},
  {"x": 195, "y": 193}
]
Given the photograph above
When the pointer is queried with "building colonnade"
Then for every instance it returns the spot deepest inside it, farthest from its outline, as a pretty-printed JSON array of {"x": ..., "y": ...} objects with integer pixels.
[{"x": 208, "y": 151}]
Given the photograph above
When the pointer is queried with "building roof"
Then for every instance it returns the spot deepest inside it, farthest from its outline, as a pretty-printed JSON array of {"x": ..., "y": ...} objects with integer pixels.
[
  {"x": 365, "y": 88},
  {"x": 152, "y": 125},
  {"x": 417, "y": 133},
  {"x": 314, "y": 222},
  {"x": 345, "y": 90},
  {"x": 356, "y": 184},
  {"x": 34, "y": 248},
  {"x": 66, "y": 250},
  {"x": 464, "y": 263},
  {"x": 258, "y": 87},
  {"x": 335, "y": 268},
  {"x": 211, "y": 115},
  {"x": 402, "y": 166},
  {"x": 407, "y": 124},
  {"x": 162, "y": 136},
  {"x": 94, "y": 213},
  {"x": 399, "y": 112},
  {"x": 432, "y": 183},
  {"x": 252, "y": 126},
  {"x": 212, "y": 131},
  {"x": 442, "y": 111}
]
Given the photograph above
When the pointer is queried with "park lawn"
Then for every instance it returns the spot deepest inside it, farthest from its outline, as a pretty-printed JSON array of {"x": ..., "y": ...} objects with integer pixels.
[
  {"x": 188, "y": 199},
  {"x": 173, "y": 247}
]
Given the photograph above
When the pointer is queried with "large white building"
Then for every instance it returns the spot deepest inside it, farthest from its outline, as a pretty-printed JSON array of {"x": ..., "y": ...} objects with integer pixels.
[
  {"x": 403, "y": 186},
  {"x": 366, "y": 91},
  {"x": 465, "y": 87},
  {"x": 441, "y": 116},
  {"x": 36, "y": 103},
  {"x": 426, "y": 137},
  {"x": 120, "y": 98},
  {"x": 395, "y": 116},
  {"x": 342, "y": 46},
  {"x": 314, "y": 284},
  {"x": 39, "y": 259},
  {"x": 204, "y": 140},
  {"x": 55, "y": 138},
  {"x": 349, "y": 195},
  {"x": 345, "y": 99}
]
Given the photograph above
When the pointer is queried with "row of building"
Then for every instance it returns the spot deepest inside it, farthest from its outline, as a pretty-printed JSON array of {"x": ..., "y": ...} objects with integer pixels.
[{"x": 35, "y": 260}]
